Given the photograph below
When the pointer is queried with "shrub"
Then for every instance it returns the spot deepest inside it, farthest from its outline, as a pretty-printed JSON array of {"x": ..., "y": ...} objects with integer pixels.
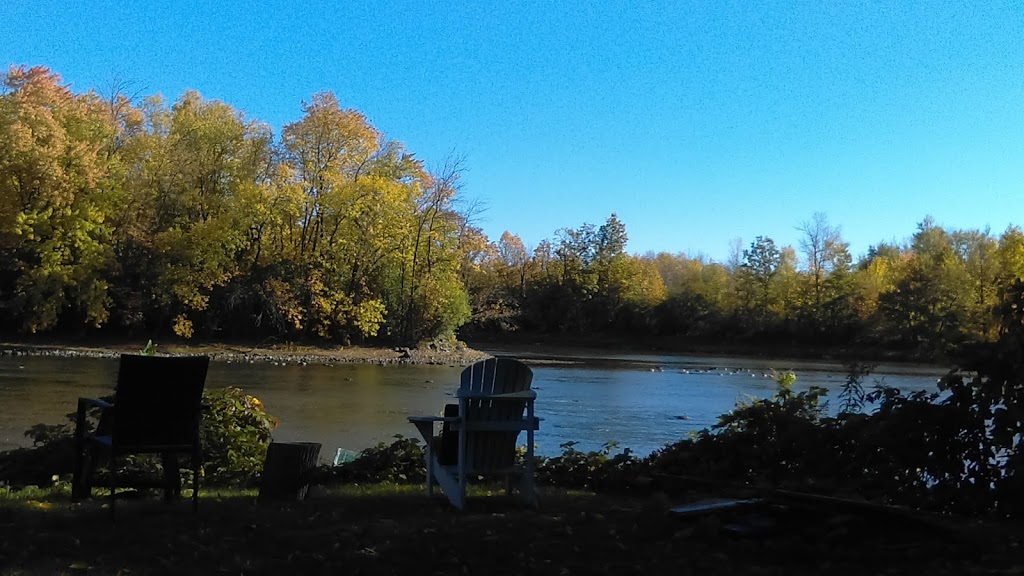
[
  {"x": 595, "y": 470},
  {"x": 401, "y": 462},
  {"x": 235, "y": 433}
]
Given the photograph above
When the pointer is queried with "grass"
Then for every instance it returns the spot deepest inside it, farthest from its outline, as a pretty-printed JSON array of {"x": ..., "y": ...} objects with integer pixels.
[{"x": 391, "y": 529}]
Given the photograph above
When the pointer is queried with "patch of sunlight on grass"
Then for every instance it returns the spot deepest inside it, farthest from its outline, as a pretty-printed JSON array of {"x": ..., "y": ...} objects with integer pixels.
[
  {"x": 393, "y": 489},
  {"x": 58, "y": 491},
  {"x": 379, "y": 489},
  {"x": 222, "y": 492},
  {"x": 39, "y": 505},
  {"x": 479, "y": 492}
]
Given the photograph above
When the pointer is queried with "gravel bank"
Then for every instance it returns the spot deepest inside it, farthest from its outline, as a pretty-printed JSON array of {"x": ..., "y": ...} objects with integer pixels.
[{"x": 428, "y": 354}]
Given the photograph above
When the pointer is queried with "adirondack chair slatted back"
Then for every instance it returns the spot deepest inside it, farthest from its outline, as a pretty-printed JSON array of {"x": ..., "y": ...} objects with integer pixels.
[
  {"x": 488, "y": 450},
  {"x": 158, "y": 400}
]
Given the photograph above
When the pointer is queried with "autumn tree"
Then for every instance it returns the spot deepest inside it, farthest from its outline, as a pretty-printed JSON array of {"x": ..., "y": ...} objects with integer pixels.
[
  {"x": 54, "y": 198},
  {"x": 925, "y": 309},
  {"x": 432, "y": 300},
  {"x": 977, "y": 252},
  {"x": 757, "y": 275},
  {"x": 515, "y": 261}
]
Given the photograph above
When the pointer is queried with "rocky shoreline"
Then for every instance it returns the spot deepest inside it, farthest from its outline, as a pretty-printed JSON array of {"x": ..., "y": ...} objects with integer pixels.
[{"x": 280, "y": 355}]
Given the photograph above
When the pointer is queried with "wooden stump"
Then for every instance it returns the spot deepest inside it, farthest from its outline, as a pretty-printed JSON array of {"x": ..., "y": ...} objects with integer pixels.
[{"x": 286, "y": 469}]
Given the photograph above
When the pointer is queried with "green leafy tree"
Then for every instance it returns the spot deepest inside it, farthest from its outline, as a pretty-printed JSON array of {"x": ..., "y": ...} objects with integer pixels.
[
  {"x": 54, "y": 194},
  {"x": 826, "y": 261},
  {"x": 926, "y": 308},
  {"x": 757, "y": 276}
]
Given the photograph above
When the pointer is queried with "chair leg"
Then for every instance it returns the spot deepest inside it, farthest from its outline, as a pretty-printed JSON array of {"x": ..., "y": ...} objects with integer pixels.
[
  {"x": 428, "y": 453},
  {"x": 528, "y": 490},
  {"x": 92, "y": 461},
  {"x": 172, "y": 476},
  {"x": 196, "y": 463},
  {"x": 113, "y": 482},
  {"x": 78, "y": 487}
]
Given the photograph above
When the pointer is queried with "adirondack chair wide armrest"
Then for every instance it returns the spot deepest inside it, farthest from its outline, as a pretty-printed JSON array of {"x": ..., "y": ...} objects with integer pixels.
[
  {"x": 499, "y": 425},
  {"x": 425, "y": 424},
  {"x": 432, "y": 419},
  {"x": 517, "y": 396}
]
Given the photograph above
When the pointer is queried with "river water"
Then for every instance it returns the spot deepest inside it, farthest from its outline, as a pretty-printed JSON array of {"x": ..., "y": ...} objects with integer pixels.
[{"x": 637, "y": 401}]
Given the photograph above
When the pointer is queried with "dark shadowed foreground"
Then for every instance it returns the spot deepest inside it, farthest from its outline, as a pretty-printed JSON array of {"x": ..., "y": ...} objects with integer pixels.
[{"x": 395, "y": 530}]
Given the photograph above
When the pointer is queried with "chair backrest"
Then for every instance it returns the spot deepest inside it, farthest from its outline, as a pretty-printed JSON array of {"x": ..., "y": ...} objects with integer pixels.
[
  {"x": 487, "y": 450},
  {"x": 497, "y": 376},
  {"x": 158, "y": 401}
]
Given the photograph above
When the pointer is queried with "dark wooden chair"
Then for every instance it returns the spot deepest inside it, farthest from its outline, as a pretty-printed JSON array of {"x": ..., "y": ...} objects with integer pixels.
[
  {"x": 156, "y": 410},
  {"x": 479, "y": 434}
]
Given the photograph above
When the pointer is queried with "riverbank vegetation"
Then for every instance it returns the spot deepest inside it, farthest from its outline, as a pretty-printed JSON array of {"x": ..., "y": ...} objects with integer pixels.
[{"x": 133, "y": 217}]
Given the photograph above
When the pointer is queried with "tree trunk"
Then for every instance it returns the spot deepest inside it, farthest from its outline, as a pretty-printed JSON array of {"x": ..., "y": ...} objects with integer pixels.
[{"x": 286, "y": 469}]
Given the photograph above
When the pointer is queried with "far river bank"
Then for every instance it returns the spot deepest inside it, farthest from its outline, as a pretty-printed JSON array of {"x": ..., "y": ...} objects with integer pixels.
[
  {"x": 281, "y": 354},
  {"x": 531, "y": 346}
]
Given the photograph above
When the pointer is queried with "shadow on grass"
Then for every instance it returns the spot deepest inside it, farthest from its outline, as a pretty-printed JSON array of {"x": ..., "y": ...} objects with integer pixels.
[{"x": 386, "y": 529}]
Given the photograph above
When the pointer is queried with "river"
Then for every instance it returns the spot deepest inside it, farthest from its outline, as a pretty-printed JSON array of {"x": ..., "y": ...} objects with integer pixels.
[{"x": 638, "y": 401}]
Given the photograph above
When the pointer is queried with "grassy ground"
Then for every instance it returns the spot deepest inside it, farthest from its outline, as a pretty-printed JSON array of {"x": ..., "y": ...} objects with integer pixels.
[{"x": 398, "y": 530}]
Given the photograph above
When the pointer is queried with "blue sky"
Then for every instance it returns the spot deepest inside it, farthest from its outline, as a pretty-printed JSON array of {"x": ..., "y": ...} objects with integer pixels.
[{"x": 696, "y": 122}]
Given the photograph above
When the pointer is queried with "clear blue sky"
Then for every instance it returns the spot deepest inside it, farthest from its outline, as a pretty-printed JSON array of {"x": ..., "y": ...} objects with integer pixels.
[{"x": 696, "y": 122}]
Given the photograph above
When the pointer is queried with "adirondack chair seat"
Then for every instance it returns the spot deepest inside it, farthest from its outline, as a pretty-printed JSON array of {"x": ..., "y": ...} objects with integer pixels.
[
  {"x": 478, "y": 435},
  {"x": 156, "y": 410}
]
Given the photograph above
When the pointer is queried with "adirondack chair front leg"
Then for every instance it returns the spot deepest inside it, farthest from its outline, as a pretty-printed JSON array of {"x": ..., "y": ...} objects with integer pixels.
[
  {"x": 462, "y": 458},
  {"x": 425, "y": 426},
  {"x": 435, "y": 470},
  {"x": 527, "y": 490}
]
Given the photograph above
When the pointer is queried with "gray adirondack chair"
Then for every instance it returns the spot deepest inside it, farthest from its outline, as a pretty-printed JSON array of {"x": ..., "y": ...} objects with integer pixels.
[{"x": 478, "y": 436}]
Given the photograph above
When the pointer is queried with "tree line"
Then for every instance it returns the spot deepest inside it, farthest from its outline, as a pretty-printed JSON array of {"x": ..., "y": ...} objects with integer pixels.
[
  {"x": 922, "y": 297},
  {"x": 140, "y": 216},
  {"x": 135, "y": 216}
]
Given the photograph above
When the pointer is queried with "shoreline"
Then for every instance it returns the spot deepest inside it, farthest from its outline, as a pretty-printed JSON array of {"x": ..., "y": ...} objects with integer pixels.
[
  {"x": 546, "y": 346},
  {"x": 278, "y": 354},
  {"x": 540, "y": 351}
]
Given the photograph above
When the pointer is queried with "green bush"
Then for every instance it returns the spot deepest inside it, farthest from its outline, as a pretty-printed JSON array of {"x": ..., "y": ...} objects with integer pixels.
[
  {"x": 401, "y": 462},
  {"x": 595, "y": 470},
  {"x": 773, "y": 441},
  {"x": 236, "y": 431}
]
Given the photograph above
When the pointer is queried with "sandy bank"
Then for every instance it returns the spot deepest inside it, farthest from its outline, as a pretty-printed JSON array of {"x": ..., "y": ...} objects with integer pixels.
[{"x": 281, "y": 353}]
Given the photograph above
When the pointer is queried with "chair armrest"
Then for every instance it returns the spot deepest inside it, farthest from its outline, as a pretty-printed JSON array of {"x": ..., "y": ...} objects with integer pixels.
[
  {"x": 425, "y": 426},
  {"x": 93, "y": 402},
  {"x": 432, "y": 419},
  {"x": 519, "y": 396},
  {"x": 80, "y": 416},
  {"x": 499, "y": 425}
]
